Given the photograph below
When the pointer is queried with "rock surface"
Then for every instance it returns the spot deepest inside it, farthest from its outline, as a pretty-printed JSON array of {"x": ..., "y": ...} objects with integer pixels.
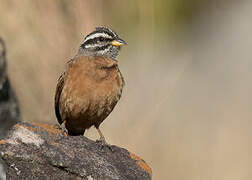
[
  {"x": 40, "y": 151},
  {"x": 9, "y": 109}
]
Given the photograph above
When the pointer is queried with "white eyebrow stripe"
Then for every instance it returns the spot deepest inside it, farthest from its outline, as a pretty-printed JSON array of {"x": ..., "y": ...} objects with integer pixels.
[
  {"x": 113, "y": 32},
  {"x": 92, "y": 45},
  {"x": 92, "y": 36}
]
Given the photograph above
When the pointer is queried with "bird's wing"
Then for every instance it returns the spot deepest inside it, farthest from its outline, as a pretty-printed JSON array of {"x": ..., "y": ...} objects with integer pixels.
[{"x": 59, "y": 88}]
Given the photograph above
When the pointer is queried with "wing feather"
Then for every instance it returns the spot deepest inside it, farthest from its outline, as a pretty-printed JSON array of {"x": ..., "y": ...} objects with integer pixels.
[{"x": 59, "y": 88}]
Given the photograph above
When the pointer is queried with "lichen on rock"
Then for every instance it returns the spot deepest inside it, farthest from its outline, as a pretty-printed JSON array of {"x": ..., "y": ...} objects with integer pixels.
[{"x": 40, "y": 151}]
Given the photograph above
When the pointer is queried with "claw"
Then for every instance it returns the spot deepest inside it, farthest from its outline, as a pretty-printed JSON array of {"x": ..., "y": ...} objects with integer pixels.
[
  {"x": 64, "y": 131},
  {"x": 102, "y": 140},
  {"x": 102, "y": 143}
]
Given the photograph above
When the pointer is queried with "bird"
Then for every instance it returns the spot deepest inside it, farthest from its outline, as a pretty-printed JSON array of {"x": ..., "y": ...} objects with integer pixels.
[{"x": 91, "y": 84}]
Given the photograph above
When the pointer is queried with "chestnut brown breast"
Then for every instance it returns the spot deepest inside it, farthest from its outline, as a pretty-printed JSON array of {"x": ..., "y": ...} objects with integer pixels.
[{"x": 87, "y": 92}]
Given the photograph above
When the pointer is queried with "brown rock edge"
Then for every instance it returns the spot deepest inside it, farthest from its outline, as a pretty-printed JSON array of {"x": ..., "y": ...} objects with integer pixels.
[{"x": 40, "y": 151}]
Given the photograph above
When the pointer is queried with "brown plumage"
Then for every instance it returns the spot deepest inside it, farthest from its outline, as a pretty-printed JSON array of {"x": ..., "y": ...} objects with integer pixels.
[
  {"x": 87, "y": 92},
  {"x": 91, "y": 85}
]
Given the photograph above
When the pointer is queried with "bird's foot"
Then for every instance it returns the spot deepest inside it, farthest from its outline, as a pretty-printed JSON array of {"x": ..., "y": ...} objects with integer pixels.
[
  {"x": 103, "y": 144},
  {"x": 63, "y": 129}
]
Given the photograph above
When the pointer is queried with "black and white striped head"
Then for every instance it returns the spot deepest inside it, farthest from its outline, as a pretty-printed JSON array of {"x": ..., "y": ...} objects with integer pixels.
[{"x": 101, "y": 42}]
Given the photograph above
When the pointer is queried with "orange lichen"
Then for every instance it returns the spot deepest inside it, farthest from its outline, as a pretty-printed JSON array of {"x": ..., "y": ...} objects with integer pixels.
[
  {"x": 26, "y": 127},
  {"x": 48, "y": 127},
  {"x": 2, "y": 141},
  {"x": 141, "y": 163}
]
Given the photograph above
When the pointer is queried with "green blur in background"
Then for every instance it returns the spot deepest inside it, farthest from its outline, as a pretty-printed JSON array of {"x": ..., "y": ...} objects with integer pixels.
[{"x": 186, "y": 106}]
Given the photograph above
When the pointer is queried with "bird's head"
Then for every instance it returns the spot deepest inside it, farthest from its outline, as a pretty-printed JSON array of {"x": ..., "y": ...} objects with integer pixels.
[{"x": 101, "y": 42}]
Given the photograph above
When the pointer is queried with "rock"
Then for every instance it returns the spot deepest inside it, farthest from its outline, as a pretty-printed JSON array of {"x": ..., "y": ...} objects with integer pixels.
[
  {"x": 40, "y": 151},
  {"x": 2, "y": 170},
  {"x": 9, "y": 109}
]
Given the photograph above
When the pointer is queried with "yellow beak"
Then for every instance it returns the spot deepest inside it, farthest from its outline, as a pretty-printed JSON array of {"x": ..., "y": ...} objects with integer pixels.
[{"x": 118, "y": 42}]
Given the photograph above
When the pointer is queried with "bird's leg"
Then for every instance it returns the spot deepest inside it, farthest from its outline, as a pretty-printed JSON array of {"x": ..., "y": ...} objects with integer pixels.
[
  {"x": 102, "y": 138},
  {"x": 63, "y": 128}
]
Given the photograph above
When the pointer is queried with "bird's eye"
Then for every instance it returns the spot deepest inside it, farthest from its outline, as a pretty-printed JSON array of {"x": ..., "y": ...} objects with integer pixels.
[{"x": 101, "y": 38}]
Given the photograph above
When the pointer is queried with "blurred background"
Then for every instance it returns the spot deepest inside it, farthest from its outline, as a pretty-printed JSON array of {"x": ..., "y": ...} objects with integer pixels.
[{"x": 186, "y": 106}]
